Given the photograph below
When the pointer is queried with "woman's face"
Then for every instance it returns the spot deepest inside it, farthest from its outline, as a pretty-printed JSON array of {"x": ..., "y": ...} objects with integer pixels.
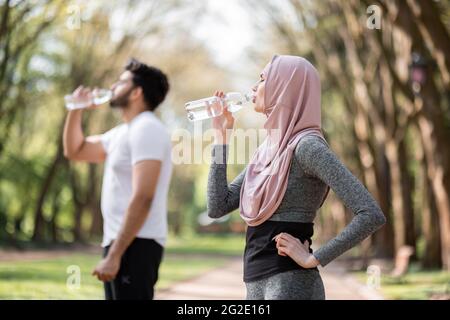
[{"x": 258, "y": 89}]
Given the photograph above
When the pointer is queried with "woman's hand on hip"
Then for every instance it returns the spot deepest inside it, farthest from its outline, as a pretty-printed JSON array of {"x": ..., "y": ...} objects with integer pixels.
[
  {"x": 222, "y": 124},
  {"x": 292, "y": 247}
]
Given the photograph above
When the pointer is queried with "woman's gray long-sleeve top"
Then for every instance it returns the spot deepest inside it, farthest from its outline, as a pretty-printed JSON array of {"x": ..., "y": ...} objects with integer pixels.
[{"x": 313, "y": 167}]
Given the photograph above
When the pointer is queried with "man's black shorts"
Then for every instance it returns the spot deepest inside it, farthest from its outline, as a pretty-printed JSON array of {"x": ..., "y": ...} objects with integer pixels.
[{"x": 138, "y": 271}]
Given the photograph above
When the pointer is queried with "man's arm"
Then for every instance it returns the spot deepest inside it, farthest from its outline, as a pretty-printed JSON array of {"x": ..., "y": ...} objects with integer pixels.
[
  {"x": 145, "y": 179},
  {"x": 76, "y": 146}
]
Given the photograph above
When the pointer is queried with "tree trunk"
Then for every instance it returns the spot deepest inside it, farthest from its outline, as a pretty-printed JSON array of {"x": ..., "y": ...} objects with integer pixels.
[
  {"x": 397, "y": 201},
  {"x": 384, "y": 246},
  {"x": 53, "y": 221},
  {"x": 435, "y": 172},
  {"x": 432, "y": 255},
  {"x": 39, "y": 221},
  {"x": 93, "y": 202},
  {"x": 407, "y": 189},
  {"x": 78, "y": 206}
]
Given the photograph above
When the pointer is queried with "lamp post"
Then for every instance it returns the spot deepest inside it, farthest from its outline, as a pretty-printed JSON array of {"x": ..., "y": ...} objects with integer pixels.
[{"x": 418, "y": 72}]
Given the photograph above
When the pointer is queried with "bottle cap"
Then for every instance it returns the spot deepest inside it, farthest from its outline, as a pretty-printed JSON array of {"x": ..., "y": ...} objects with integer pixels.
[{"x": 233, "y": 95}]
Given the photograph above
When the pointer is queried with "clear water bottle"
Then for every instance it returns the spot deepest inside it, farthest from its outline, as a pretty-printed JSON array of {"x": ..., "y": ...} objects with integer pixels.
[
  {"x": 213, "y": 106},
  {"x": 98, "y": 97}
]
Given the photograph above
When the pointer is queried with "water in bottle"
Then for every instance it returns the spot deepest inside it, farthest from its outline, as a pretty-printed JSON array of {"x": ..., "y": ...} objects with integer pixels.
[
  {"x": 213, "y": 106},
  {"x": 98, "y": 97}
]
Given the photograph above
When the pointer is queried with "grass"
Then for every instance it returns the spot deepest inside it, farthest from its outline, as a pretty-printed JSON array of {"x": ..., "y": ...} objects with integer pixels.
[
  {"x": 227, "y": 245},
  {"x": 47, "y": 279},
  {"x": 415, "y": 285}
]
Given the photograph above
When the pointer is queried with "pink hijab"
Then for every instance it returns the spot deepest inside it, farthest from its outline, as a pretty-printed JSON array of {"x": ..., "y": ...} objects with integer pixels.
[{"x": 292, "y": 107}]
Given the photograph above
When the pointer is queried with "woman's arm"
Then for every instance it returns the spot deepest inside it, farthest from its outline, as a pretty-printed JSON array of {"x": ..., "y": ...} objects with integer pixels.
[
  {"x": 221, "y": 197},
  {"x": 318, "y": 160}
]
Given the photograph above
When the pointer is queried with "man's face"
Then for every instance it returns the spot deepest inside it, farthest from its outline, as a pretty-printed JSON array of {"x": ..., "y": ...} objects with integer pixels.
[{"x": 122, "y": 89}]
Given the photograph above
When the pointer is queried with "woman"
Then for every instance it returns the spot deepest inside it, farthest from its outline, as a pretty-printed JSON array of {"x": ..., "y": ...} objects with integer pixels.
[{"x": 284, "y": 185}]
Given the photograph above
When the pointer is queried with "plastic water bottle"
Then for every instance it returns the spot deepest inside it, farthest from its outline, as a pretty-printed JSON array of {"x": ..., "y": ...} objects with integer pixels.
[
  {"x": 211, "y": 107},
  {"x": 98, "y": 97}
]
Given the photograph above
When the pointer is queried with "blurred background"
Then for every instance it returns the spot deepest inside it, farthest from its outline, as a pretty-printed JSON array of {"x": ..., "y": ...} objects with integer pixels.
[{"x": 385, "y": 71}]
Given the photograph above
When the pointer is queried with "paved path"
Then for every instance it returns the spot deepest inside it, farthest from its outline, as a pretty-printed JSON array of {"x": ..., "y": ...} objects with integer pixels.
[{"x": 226, "y": 283}]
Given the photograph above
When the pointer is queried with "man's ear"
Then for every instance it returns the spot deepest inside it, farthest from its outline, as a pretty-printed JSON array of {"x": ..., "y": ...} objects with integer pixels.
[{"x": 136, "y": 93}]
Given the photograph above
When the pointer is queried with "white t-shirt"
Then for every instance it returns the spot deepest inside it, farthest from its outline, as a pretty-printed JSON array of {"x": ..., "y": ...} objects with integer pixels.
[{"x": 144, "y": 138}]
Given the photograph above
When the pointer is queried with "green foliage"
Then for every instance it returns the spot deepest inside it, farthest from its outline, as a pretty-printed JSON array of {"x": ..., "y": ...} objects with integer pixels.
[{"x": 61, "y": 56}]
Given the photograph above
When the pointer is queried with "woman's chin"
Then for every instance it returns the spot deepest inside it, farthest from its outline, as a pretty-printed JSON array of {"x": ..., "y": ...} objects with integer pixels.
[{"x": 257, "y": 109}]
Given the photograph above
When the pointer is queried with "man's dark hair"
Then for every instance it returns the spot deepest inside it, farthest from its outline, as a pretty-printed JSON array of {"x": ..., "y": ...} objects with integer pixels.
[{"x": 153, "y": 82}]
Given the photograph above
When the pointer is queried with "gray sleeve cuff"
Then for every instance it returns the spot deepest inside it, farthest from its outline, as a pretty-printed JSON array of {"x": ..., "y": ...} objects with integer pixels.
[{"x": 323, "y": 257}]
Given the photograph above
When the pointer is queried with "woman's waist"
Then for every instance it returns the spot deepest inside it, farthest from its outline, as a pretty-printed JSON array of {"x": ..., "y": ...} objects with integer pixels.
[
  {"x": 261, "y": 237},
  {"x": 261, "y": 256}
]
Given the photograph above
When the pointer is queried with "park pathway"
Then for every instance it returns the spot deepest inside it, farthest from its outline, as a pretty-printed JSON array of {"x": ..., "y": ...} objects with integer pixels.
[{"x": 226, "y": 283}]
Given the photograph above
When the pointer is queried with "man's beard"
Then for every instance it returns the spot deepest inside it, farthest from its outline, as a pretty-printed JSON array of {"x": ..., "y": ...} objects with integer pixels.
[{"x": 122, "y": 100}]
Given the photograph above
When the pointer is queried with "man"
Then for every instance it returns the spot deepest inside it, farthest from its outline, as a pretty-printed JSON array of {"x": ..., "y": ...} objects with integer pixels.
[{"x": 135, "y": 183}]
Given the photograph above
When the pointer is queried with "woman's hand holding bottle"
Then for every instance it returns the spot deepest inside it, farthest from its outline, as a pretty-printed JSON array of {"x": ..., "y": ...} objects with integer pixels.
[{"x": 222, "y": 124}]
